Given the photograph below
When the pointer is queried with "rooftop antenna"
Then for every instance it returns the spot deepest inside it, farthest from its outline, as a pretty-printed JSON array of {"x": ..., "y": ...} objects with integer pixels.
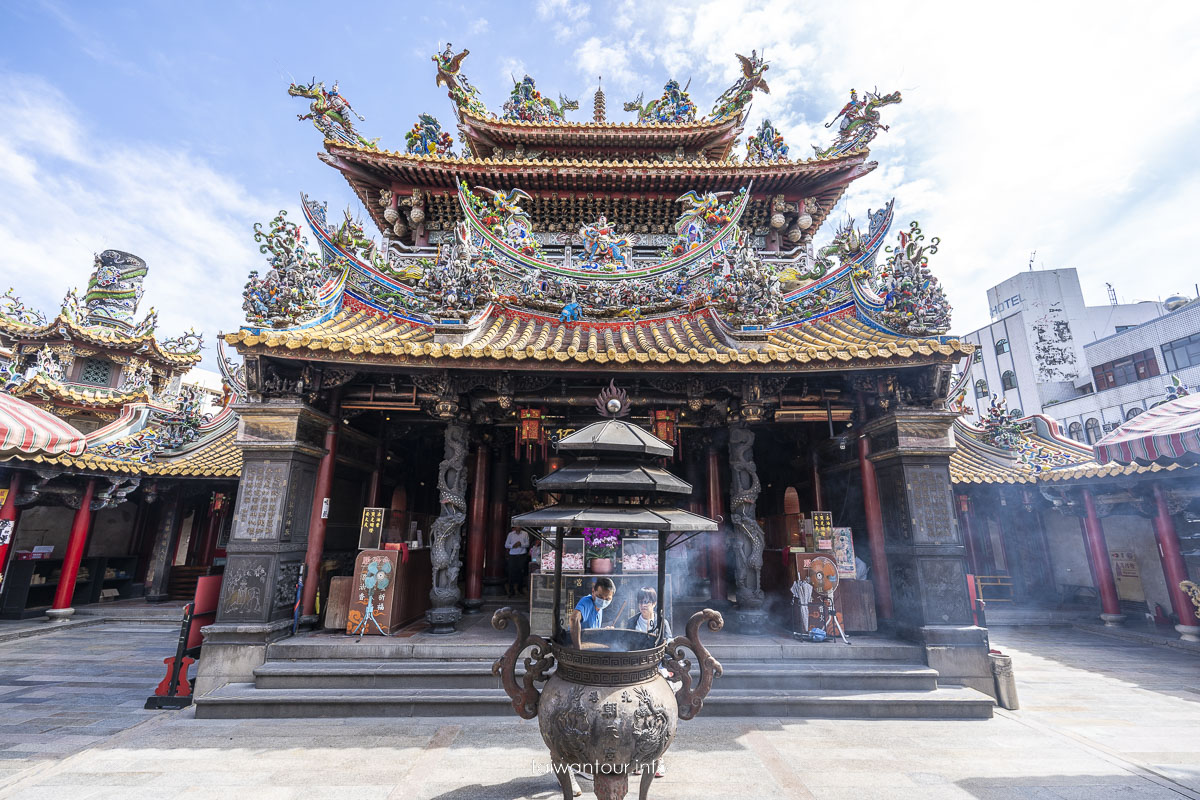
[
  {"x": 1112, "y": 294},
  {"x": 1032, "y": 256}
]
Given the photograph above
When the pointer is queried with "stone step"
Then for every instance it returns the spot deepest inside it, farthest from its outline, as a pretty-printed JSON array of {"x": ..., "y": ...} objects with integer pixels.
[
  {"x": 336, "y": 647},
  {"x": 245, "y": 701},
  {"x": 413, "y": 674}
]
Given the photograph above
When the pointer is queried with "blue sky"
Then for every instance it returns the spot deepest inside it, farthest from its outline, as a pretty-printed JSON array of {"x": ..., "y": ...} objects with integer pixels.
[{"x": 165, "y": 128}]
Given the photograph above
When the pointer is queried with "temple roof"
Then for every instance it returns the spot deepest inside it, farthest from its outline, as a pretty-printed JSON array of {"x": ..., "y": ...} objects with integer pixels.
[
  {"x": 64, "y": 327},
  {"x": 218, "y": 457},
  {"x": 550, "y": 182},
  {"x": 1039, "y": 454},
  {"x": 504, "y": 335},
  {"x": 714, "y": 138},
  {"x": 41, "y": 389}
]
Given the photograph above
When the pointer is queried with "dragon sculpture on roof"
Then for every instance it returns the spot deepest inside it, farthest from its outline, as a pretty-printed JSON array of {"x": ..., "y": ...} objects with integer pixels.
[
  {"x": 330, "y": 113},
  {"x": 674, "y": 107},
  {"x": 526, "y": 104},
  {"x": 766, "y": 145},
  {"x": 860, "y": 123},
  {"x": 738, "y": 96},
  {"x": 914, "y": 301}
]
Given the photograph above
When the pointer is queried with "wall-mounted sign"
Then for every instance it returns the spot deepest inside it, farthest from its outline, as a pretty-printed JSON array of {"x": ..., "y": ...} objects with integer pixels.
[
  {"x": 372, "y": 528},
  {"x": 1127, "y": 576}
]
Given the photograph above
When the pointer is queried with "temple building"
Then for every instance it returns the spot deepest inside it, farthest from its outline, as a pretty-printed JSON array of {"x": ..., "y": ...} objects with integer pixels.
[
  {"x": 1051, "y": 524},
  {"x": 540, "y": 259},
  {"x": 120, "y": 473}
]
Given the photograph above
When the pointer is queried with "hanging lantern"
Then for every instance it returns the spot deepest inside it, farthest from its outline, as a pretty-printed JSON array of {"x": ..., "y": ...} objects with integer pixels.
[
  {"x": 664, "y": 424},
  {"x": 530, "y": 431}
]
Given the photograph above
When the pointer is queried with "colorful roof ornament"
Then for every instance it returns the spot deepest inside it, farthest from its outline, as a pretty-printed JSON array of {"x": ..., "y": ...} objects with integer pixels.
[
  {"x": 428, "y": 139},
  {"x": 1000, "y": 426},
  {"x": 603, "y": 247},
  {"x": 330, "y": 114},
  {"x": 737, "y": 97},
  {"x": 526, "y": 104},
  {"x": 860, "y": 123},
  {"x": 674, "y": 107},
  {"x": 186, "y": 344},
  {"x": 293, "y": 289},
  {"x": 450, "y": 75},
  {"x": 766, "y": 145},
  {"x": 1175, "y": 390},
  {"x": 914, "y": 302},
  {"x": 114, "y": 288},
  {"x": 11, "y": 308}
]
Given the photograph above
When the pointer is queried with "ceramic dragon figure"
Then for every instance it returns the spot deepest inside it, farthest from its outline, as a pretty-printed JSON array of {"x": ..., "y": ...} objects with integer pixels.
[
  {"x": 428, "y": 139},
  {"x": 287, "y": 294},
  {"x": 331, "y": 114},
  {"x": 459, "y": 89},
  {"x": 115, "y": 287},
  {"x": 674, "y": 107},
  {"x": 526, "y": 104},
  {"x": 738, "y": 96},
  {"x": 914, "y": 301},
  {"x": 860, "y": 122}
]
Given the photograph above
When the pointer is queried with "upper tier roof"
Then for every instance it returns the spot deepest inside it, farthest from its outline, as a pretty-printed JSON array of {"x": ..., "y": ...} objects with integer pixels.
[
  {"x": 549, "y": 181},
  {"x": 63, "y": 327},
  {"x": 715, "y": 139}
]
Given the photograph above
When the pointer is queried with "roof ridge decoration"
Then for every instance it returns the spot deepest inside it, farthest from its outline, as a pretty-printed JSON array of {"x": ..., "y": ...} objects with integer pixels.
[
  {"x": 860, "y": 123},
  {"x": 766, "y": 145},
  {"x": 737, "y": 97},
  {"x": 427, "y": 138},
  {"x": 673, "y": 108},
  {"x": 913, "y": 302},
  {"x": 330, "y": 113},
  {"x": 12, "y": 309},
  {"x": 298, "y": 282},
  {"x": 163, "y": 431},
  {"x": 526, "y": 104},
  {"x": 461, "y": 92},
  {"x": 114, "y": 288}
]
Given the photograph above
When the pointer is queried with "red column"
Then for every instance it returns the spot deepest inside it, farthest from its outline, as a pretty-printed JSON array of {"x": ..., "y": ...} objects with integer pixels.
[
  {"x": 716, "y": 510},
  {"x": 874, "y": 514},
  {"x": 75, "y": 545},
  {"x": 1173, "y": 567},
  {"x": 9, "y": 516},
  {"x": 965, "y": 514},
  {"x": 1101, "y": 565},
  {"x": 316, "y": 523},
  {"x": 497, "y": 526},
  {"x": 476, "y": 528}
]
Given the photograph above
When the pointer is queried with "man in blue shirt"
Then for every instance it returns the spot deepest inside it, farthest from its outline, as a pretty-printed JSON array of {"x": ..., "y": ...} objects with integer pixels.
[{"x": 592, "y": 607}]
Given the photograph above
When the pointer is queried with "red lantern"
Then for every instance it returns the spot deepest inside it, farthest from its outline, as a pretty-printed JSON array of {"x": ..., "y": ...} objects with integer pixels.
[
  {"x": 664, "y": 424},
  {"x": 530, "y": 431}
]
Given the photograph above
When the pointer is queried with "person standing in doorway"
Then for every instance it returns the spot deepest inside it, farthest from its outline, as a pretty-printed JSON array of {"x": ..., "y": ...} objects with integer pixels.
[{"x": 517, "y": 546}]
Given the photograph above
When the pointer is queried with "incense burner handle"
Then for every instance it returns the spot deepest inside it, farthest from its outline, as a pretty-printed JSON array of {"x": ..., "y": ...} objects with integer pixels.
[
  {"x": 524, "y": 695},
  {"x": 691, "y": 700}
]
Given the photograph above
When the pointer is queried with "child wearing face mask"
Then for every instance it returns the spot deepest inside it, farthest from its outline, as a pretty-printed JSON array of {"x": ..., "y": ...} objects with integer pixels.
[{"x": 592, "y": 607}]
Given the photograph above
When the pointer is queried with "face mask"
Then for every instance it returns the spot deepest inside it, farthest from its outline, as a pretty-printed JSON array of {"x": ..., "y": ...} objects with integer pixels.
[{"x": 601, "y": 603}]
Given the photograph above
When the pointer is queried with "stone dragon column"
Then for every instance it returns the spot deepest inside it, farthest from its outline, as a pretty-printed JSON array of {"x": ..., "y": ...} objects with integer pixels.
[
  {"x": 444, "y": 533},
  {"x": 749, "y": 538}
]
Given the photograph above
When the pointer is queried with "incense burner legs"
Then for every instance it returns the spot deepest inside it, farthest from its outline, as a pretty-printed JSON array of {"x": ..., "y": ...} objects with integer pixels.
[{"x": 607, "y": 713}]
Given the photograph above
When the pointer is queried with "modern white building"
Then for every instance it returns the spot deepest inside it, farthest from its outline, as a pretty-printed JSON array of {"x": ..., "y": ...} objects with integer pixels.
[{"x": 1089, "y": 367}]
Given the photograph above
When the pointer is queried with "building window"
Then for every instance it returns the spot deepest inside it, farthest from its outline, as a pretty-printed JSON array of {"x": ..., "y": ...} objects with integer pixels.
[
  {"x": 978, "y": 357},
  {"x": 95, "y": 372},
  {"x": 1130, "y": 369},
  {"x": 1075, "y": 431},
  {"x": 981, "y": 389},
  {"x": 1018, "y": 413},
  {"x": 1182, "y": 352},
  {"x": 1123, "y": 328},
  {"x": 1002, "y": 346},
  {"x": 1133, "y": 412},
  {"x": 1093, "y": 430},
  {"x": 1009, "y": 379}
]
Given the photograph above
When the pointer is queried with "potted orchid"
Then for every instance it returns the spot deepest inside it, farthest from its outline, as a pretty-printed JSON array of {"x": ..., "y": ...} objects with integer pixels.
[{"x": 601, "y": 544}]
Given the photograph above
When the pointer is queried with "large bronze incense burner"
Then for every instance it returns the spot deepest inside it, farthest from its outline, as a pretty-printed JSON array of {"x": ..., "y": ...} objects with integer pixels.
[{"x": 614, "y": 696}]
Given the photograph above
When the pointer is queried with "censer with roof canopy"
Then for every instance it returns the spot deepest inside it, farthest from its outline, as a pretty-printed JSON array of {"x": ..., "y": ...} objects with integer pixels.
[{"x": 606, "y": 708}]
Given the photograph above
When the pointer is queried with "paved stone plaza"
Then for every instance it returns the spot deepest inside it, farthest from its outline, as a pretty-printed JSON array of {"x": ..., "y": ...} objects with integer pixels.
[{"x": 1100, "y": 718}]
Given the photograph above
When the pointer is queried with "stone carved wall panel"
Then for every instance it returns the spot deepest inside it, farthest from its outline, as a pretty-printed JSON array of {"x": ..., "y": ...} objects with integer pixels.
[
  {"x": 944, "y": 597},
  {"x": 930, "y": 501},
  {"x": 244, "y": 593},
  {"x": 260, "y": 501}
]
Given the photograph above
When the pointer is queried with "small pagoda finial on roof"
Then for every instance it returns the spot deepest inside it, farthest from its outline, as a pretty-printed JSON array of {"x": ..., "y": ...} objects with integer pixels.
[{"x": 598, "y": 105}]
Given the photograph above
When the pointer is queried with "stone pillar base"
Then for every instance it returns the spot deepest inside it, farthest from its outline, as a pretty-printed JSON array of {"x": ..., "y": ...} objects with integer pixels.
[
  {"x": 231, "y": 652},
  {"x": 1112, "y": 620},
  {"x": 1189, "y": 633},
  {"x": 56, "y": 614},
  {"x": 751, "y": 622},
  {"x": 493, "y": 587},
  {"x": 156, "y": 598},
  {"x": 960, "y": 655},
  {"x": 443, "y": 620},
  {"x": 472, "y": 606}
]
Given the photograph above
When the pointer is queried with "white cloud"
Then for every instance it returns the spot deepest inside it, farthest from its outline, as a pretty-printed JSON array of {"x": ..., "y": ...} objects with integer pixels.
[
  {"x": 65, "y": 195},
  {"x": 1023, "y": 126},
  {"x": 478, "y": 26}
]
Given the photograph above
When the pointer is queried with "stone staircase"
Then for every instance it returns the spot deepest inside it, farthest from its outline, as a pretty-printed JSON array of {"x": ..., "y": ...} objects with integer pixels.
[{"x": 872, "y": 678}]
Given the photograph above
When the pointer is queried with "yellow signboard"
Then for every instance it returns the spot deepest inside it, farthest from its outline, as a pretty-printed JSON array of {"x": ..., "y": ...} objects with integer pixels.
[{"x": 1125, "y": 572}]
